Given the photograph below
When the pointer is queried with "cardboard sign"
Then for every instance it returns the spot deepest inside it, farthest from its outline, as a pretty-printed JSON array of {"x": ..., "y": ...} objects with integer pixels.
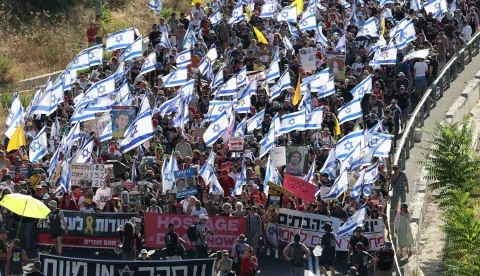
[
  {"x": 299, "y": 187},
  {"x": 336, "y": 64},
  {"x": 88, "y": 176},
  {"x": 186, "y": 184},
  {"x": 307, "y": 59},
  {"x": 236, "y": 143},
  {"x": 279, "y": 189},
  {"x": 279, "y": 157}
]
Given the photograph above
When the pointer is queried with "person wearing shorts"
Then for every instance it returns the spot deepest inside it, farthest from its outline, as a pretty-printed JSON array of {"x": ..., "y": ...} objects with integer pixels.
[
  {"x": 56, "y": 220},
  {"x": 329, "y": 246},
  {"x": 420, "y": 70}
]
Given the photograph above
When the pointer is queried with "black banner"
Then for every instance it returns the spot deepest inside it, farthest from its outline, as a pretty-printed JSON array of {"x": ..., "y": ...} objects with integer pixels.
[
  {"x": 88, "y": 230},
  {"x": 63, "y": 266}
]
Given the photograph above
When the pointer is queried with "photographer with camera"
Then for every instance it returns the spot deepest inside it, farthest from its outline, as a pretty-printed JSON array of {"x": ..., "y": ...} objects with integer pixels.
[
  {"x": 174, "y": 244},
  {"x": 201, "y": 242},
  {"x": 296, "y": 253}
]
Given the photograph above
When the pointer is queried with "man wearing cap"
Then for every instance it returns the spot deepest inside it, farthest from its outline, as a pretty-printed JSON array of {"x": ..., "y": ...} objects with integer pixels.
[
  {"x": 87, "y": 206},
  {"x": 174, "y": 244},
  {"x": 296, "y": 253},
  {"x": 201, "y": 245},
  {"x": 402, "y": 80},
  {"x": 356, "y": 239},
  {"x": 329, "y": 245},
  {"x": 363, "y": 260},
  {"x": 385, "y": 260},
  {"x": 144, "y": 256},
  {"x": 57, "y": 224},
  {"x": 399, "y": 185}
]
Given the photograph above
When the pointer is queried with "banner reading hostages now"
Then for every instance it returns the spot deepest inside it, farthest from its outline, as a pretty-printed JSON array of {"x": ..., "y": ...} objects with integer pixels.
[{"x": 226, "y": 230}]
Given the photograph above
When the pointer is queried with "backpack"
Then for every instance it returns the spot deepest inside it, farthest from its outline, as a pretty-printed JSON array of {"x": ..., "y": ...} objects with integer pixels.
[
  {"x": 192, "y": 234},
  {"x": 296, "y": 255}
]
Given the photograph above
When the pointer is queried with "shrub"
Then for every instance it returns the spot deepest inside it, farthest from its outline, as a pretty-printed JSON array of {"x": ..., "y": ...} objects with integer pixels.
[{"x": 6, "y": 66}]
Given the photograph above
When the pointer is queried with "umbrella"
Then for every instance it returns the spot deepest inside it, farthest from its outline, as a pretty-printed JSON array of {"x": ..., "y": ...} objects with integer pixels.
[{"x": 25, "y": 206}]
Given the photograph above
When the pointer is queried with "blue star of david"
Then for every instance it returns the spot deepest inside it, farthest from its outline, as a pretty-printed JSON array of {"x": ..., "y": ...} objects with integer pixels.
[
  {"x": 133, "y": 132},
  {"x": 235, "y": 13},
  {"x": 189, "y": 39},
  {"x": 85, "y": 153},
  {"x": 17, "y": 123},
  {"x": 80, "y": 112},
  {"x": 129, "y": 49},
  {"x": 221, "y": 108},
  {"x": 110, "y": 128},
  {"x": 94, "y": 102},
  {"x": 119, "y": 38},
  {"x": 284, "y": 14},
  {"x": 361, "y": 91},
  {"x": 437, "y": 6},
  {"x": 146, "y": 63},
  {"x": 87, "y": 97},
  {"x": 91, "y": 56},
  {"x": 266, "y": 141},
  {"x": 365, "y": 30},
  {"x": 348, "y": 145},
  {"x": 309, "y": 118},
  {"x": 174, "y": 77},
  {"x": 259, "y": 121},
  {"x": 374, "y": 141},
  {"x": 404, "y": 35},
  {"x": 241, "y": 78},
  {"x": 216, "y": 128},
  {"x": 271, "y": 231},
  {"x": 182, "y": 58},
  {"x": 291, "y": 122},
  {"x": 323, "y": 89},
  {"x": 54, "y": 99},
  {"x": 168, "y": 177},
  {"x": 373, "y": 173},
  {"x": 101, "y": 89},
  {"x": 350, "y": 160},
  {"x": 348, "y": 110},
  {"x": 75, "y": 61},
  {"x": 36, "y": 146},
  {"x": 304, "y": 23},
  {"x": 10, "y": 115}
]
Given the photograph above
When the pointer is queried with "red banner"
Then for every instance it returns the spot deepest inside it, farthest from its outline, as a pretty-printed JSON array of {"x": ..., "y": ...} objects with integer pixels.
[
  {"x": 299, "y": 187},
  {"x": 226, "y": 230},
  {"x": 72, "y": 241}
]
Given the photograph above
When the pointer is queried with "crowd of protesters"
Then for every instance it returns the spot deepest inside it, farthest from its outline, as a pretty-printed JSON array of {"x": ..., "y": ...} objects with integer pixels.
[{"x": 395, "y": 89}]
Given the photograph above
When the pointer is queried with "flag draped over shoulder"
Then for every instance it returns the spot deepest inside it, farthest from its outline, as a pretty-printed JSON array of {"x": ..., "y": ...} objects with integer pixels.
[{"x": 17, "y": 140}]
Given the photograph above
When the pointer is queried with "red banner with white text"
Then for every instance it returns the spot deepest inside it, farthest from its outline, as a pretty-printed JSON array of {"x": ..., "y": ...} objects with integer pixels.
[{"x": 226, "y": 230}]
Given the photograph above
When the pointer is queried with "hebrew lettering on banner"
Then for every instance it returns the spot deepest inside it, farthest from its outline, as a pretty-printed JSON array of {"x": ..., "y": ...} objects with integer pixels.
[{"x": 309, "y": 227}]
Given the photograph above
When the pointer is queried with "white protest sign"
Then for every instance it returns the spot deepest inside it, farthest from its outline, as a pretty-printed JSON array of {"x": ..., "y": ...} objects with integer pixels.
[
  {"x": 278, "y": 155},
  {"x": 102, "y": 196},
  {"x": 236, "y": 143},
  {"x": 88, "y": 175},
  {"x": 307, "y": 59}
]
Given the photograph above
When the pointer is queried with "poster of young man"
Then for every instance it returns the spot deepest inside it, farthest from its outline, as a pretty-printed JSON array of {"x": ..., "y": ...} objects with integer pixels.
[
  {"x": 185, "y": 181},
  {"x": 122, "y": 117},
  {"x": 297, "y": 164}
]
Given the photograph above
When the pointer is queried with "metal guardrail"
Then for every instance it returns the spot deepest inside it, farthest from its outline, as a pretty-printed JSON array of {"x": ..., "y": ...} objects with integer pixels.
[{"x": 422, "y": 111}]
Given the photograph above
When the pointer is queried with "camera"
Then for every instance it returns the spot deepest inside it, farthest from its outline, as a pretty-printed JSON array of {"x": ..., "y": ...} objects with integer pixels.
[{"x": 209, "y": 232}]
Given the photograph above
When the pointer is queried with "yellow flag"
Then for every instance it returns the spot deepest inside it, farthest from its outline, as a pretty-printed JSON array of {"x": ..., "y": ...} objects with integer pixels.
[
  {"x": 299, "y": 4},
  {"x": 383, "y": 25},
  {"x": 17, "y": 140},
  {"x": 196, "y": 2},
  {"x": 298, "y": 93},
  {"x": 260, "y": 36},
  {"x": 336, "y": 129},
  {"x": 248, "y": 12}
]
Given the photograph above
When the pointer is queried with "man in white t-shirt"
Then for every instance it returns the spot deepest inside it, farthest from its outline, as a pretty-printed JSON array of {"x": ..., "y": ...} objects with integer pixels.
[
  {"x": 198, "y": 209},
  {"x": 357, "y": 68},
  {"x": 153, "y": 207},
  {"x": 419, "y": 70},
  {"x": 196, "y": 13},
  {"x": 467, "y": 33}
]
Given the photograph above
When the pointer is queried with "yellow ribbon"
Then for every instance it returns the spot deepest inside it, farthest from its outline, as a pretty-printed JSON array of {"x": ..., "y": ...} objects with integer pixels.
[{"x": 89, "y": 228}]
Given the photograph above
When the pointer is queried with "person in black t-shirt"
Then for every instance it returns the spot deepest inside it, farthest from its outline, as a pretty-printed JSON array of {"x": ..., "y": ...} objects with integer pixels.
[
  {"x": 328, "y": 244},
  {"x": 403, "y": 101},
  {"x": 388, "y": 122},
  {"x": 249, "y": 61},
  {"x": 174, "y": 244},
  {"x": 385, "y": 259},
  {"x": 357, "y": 238},
  {"x": 363, "y": 260},
  {"x": 36, "y": 269}
]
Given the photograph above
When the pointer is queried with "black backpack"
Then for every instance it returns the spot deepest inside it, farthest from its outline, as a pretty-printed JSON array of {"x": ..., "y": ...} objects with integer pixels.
[{"x": 192, "y": 234}]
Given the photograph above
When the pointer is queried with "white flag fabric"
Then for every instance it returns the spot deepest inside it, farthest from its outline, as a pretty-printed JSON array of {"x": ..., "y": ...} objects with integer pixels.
[
  {"x": 320, "y": 37},
  {"x": 149, "y": 63},
  {"x": 308, "y": 23},
  {"x": 348, "y": 143},
  {"x": 216, "y": 107},
  {"x": 15, "y": 108},
  {"x": 267, "y": 143},
  {"x": 406, "y": 35},
  {"x": 155, "y": 5},
  {"x": 218, "y": 79},
  {"x": 84, "y": 155},
  {"x": 165, "y": 41},
  {"x": 216, "y": 129},
  {"x": 140, "y": 131},
  {"x": 106, "y": 133},
  {"x": 417, "y": 54},
  {"x": 288, "y": 45},
  {"x": 351, "y": 111},
  {"x": 358, "y": 219},
  {"x": 357, "y": 188},
  {"x": 208, "y": 168},
  {"x": 176, "y": 78},
  {"x": 133, "y": 50},
  {"x": 371, "y": 174},
  {"x": 38, "y": 147},
  {"x": 229, "y": 88},
  {"x": 271, "y": 174},
  {"x": 337, "y": 189},
  {"x": 318, "y": 80},
  {"x": 364, "y": 87},
  {"x": 255, "y": 122},
  {"x": 237, "y": 14},
  {"x": 273, "y": 72},
  {"x": 340, "y": 44},
  {"x": 242, "y": 76},
  {"x": 95, "y": 55},
  {"x": 184, "y": 58},
  {"x": 436, "y": 7},
  {"x": 288, "y": 14},
  {"x": 215, "y": 187},
  {"x": 330, "y": 166},
  {"x": 388, "y": 56},
  {"x": 212, "y": 53},
  {"x": 242, "y": 180},
  {"x": 314, "y": 119},
  {"x": 244, "y": 100},
  {"x": 369, "y": 29},
  {"x": 216, "y": 18},
  {"x": 268, "y": 9},
  {"x": 293, "y": 121},
  {"x": 168, "y": 179},
  {"x": 120, "y": 39},
  {"x": 79, "y": 62},
  {"x": 327, "y": 89}
]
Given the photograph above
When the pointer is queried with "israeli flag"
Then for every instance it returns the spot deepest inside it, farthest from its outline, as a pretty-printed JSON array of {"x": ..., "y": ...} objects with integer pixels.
[
  {"x": 216, "y": 129},
  {"x": 237, "y": 14},
  {"x": 216, "y": 107},
  {"x": 273, "y": 72},
  {"x": 155, "y": 5},
  {"x": 268, "y": 142},
  {"x": 84, "y": 155},
  {"x": 293, "y": 31},
  {"x": 53, "y": 162},
  {"x": 326, "y": 89},
  {"x": 351, "y": 111},
  {"x": 357, "y": 188},
  {"x": 255, "y": 122},
  {"x": 337, "y": 189},
  {"x": 205, "y": 68},
  {"x": 310, "y": 10},
  {"x": 311, "y": 173},
  {"x": 268, "y": 9},
  {"x": 288, "y": 45},
  {"x": 15, "y": 122},
  {"x": 95, "y": 55},
  {"x": 293, "y": 121},
  {"x": 133, "y": 50},
  {"x": 389, "y": 56},
  {"x": 275, "y": 91},
  {"x": 271, "y": 175},
  {"x": 241, "y": 181},
  {"x": 284, "y": 82},
  {"x": 15, "y": 108},
  {"x": 314, "y": 119},
  {"x": 347, "y": 144},
  {"x": 183, "y": 58},
  {"x": 351, "y": 161},
  {"x": 216, "y": 18},
  {"x": 149, "y": 63},
  {"x": 212, "y": 53},
  {"x": 384, "y": 2},
  {"x": 383, "y": 144},
  {"x": 399, "y": 27},
  {"x": 406, "y": 35},
  {"x": 98, "y": 105},
  {"x": 140, "y": 131},
  {"x": 68, "y": 77},
  {"x": 45, "y": 105},
  {"x": 63, "y": 182},
  {"x": 288, "y": 14},
  {"x": 277, "y": 124},
  {"x": 106, "y": 133},
  {"x": 106, "y": 86},
  {"x": 358, "y": 219},
  {"x": 48, "y": 85},
  {"x": 121, "y": 39},
  {"x": 120, "y": 72},
  {"x": 80, "y": 62},
  {"x": 164, "y": 41},
  {"x": 369, "y": 29},
  {"x": 436, "y": 7},
  {"x": 417, "y": 54},
  {"x": 318, "y": 80},
  {"x": 345, "y": 4},
  {"x": 319, "y": 37},
  {"x": 218, "y": 79},
  {"x": 168, "y": 169},
  {"x": 240, "y": 128},
  {"x": 38, "y": 147},
  {"x": 176, "y": 78},
  {"x": 229, "y": 88},
  {"x": 340, "y": 44},
  {"x": 371, "y": 174},
  {"x": 208, "y": 168},
  {"x": 308, "y": 23},
  {"x": 242, "y": 76},
  {"x": 67, "y": 140},
  {"x": 190, "y": 39},
  {"x": 244, "y": 100},
  {"x": 215, "y": 187},
  {"x": 306, "y": 102},
  {"x": 364, "y": 87},
  {"x": 123, "y": 91}
]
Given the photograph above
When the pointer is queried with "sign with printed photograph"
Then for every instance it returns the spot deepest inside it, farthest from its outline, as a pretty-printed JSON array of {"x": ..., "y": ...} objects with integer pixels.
[
  {"x": 279, "y": 158},
  {"x": 297, "y": 163},
  {"x": 122, "y": 117},
  {"x": 186, "y": 184},
  {"x": 336, "y": 64}
]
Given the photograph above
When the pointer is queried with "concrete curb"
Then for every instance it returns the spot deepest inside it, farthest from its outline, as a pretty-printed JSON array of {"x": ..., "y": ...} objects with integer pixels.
[{"x": 29, "y": 84}]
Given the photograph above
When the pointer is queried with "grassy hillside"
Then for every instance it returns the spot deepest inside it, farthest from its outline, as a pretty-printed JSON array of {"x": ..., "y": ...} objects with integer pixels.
[{"x": 37, "y": 42}]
